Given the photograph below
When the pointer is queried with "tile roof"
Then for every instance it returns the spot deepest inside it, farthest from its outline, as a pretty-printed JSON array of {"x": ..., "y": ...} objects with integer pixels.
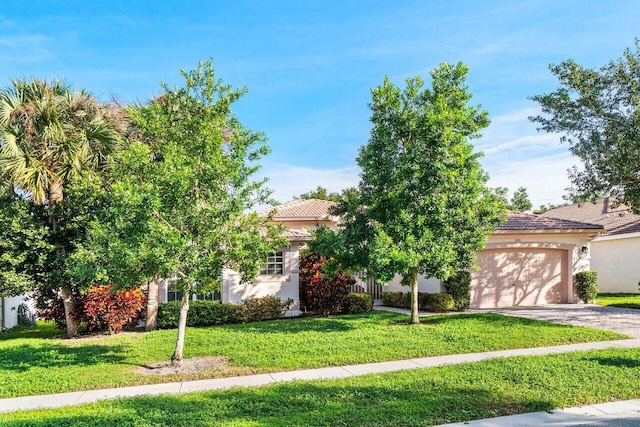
[
  {"x": 301, "y": 209},
  {"x": 616, "y": 220},
  {"x": 297, "y": 234},
  {"x": 529, "y": 222}
]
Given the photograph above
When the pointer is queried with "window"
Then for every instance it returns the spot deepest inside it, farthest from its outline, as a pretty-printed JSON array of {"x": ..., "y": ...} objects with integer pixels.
[
  {"x": 216, "y": 296},
  {"x": 275, "y": 264},
  {"x": 172, "y": 293}
]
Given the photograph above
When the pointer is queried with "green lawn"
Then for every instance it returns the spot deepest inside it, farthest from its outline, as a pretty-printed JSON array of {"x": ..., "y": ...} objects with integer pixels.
[
  {"x": 419, "y": 397},
  {"x": 31, "y": 364},
  {"x": 619, "y": 300}
]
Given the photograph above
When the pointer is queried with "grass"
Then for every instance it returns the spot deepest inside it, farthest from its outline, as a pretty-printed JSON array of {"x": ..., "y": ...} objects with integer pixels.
[
  {"x": 619, "y": 300},
  {"x": 31, "y": 364},
  {"x": 419, "y": 397}
]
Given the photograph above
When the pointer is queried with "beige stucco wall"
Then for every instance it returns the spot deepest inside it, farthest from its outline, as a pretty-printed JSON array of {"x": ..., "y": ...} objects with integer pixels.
[
  {"x": 617, "y": 261},
  {"x": 571, "y": 242},
  {"x": 282, "y": 286}
]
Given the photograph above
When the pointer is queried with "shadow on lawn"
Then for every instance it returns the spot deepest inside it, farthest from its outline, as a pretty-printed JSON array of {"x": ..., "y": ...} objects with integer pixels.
[
  {"x": 24, "y": 357},
  {"x": 302, "y": 404},
  {"x": 289, "y": 326}
]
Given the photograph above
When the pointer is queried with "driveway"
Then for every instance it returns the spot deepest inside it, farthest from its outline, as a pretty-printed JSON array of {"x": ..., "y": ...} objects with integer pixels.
[{"x": 623, "y": 320}]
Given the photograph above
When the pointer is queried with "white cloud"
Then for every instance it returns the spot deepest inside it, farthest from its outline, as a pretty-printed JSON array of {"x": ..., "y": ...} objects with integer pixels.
[{"x": 288, "y": 180}]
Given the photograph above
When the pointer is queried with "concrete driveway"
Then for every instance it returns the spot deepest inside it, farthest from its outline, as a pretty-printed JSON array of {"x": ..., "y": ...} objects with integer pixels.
[{"x": 623, "y": 320}]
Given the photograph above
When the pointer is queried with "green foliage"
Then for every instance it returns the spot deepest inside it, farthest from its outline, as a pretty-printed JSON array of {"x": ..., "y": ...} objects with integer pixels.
[
  {"x": 422, "y": 206},
  {"x": 587, "y": 286},
  {"x": 180, "y": 192},
  {"x": 318, "y": 292},
  {"x": 416, "y": 397},
  {"x": 210, "y": 313},
  {"x": 201, "y": 313},
  {"x": 544, "y": 208},
  {"x": 520, "y": 200},
  {"x": 428, "y": 302},
  {"x": 25, "y": 248},
  {"x": 459, "y": 286},
  {"x": 597, "y": 111},
  {"x": 321, "y": 193},
  {"x": 438, "y": 302},
  {"x": 265, "y": 308},
  {"x": 358, "y": 302}
]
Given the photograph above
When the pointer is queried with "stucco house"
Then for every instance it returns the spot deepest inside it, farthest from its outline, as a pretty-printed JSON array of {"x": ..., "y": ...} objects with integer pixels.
[
  {"x": 614, "y": 253},
  {"x": 529, "y": 260},
  {"x": 279, "y": 276}
]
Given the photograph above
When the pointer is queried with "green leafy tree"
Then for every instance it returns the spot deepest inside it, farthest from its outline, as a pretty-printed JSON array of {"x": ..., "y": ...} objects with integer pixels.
[
  {"x": 598, "y": 113},
  {"x": 180, "y": 193},
  {"x": 25, "y": 250},
  {"x": 50, "y": 135},
  {"x": 520, "y": 201},
  {"x": 422, "y": 206},
  {"x": 321, "y": 193}
]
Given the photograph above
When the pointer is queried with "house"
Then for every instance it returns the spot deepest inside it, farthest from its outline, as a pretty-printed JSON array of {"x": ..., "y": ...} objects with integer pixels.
[
  {"x": 9, "y": 307},
  {"x": 529, "y": 260},
  {"x": 614, "y": 253},
  {"x": 279, "y": 276}
]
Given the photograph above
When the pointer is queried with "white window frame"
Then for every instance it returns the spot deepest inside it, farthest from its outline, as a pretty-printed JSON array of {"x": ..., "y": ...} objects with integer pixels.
[{"x": 274, "y": 265}]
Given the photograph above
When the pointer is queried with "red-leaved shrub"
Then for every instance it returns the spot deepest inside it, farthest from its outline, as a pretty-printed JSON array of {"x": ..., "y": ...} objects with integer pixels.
[
  {"x": 107, "y": 308},
  {"x": 101, "y": 307},
  {"x": 321, "y": 294}
]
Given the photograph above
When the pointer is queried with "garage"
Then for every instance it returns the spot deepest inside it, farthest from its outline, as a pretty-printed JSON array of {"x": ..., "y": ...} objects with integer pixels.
[
  {"x": 520, "y": 277},
  {"x": 530, "y": 260}
]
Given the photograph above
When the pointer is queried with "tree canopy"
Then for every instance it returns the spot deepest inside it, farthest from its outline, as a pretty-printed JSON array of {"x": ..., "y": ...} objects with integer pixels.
[
  {"x": 597, "y": 111},
  {"x": 422, "y": 206},
  {"x": 321, "y": 193},
  {"x": 180, "y": 195}
]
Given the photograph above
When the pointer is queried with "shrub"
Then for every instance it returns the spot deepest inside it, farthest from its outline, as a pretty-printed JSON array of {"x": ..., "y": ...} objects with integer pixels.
[
  {"x": 459, "y": 286},
  {"x": 430, "y": 302},
  {"x": 438, "y": 302},
  {"x": 586, "y": 285},
  {"x": 259, "y": 309},
  {"x": 106, "y": 308},
  {"x": 320, "y": 294},
  {"x": 358, "y": 302},
  {"x": 396, "y": 299},
  {"x": 201, "y": 313},
  {"x": 99, "y": 308},
  {"x": 210, "y": 313}
]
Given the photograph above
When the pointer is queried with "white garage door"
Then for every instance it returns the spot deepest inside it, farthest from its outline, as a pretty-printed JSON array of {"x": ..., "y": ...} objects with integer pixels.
[{"x": 519, "y": 277}]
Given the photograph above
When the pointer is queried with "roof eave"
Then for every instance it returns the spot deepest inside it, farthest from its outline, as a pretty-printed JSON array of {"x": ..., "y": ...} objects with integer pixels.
[{"x": 553, "y": 231}]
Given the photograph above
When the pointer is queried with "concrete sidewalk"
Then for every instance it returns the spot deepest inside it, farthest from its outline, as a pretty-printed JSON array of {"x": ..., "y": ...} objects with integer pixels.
[
  {"x": 621, "y": 414},
  {"x": 80, "y": 397}
]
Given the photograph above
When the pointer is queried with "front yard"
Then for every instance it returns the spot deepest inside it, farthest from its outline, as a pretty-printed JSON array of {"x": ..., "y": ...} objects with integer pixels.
[
  {"x": 619, "y": 300},
  {"x": 32, "y": 364},
  {"x": 420, "y": 397}
]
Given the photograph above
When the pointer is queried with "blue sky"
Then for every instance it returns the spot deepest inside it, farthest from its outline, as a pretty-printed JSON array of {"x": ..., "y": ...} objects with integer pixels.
[{"x": 309, "y": 67}]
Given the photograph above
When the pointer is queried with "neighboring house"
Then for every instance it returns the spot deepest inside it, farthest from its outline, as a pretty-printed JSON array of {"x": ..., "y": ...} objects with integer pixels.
[
  {"x": 529, "y": 260},
  {"x": 279, "y": 276},
  {"x": 9, "y": 311},
  {"x": 614, "y": 253}
]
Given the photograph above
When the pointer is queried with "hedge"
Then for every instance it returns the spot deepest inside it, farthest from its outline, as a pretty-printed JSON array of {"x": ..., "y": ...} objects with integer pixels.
[{"x": 428, "y": 302}]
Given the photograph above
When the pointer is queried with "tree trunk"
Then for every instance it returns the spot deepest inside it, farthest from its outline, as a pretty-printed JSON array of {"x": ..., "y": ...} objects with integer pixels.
[
  {"x": 151, "y": 319},
  {"x": 415, "y": 319},
  {"x": 54, "y": 197},
  {"x": 72, "y": 324},
  {"x": 176, "y": 359}
]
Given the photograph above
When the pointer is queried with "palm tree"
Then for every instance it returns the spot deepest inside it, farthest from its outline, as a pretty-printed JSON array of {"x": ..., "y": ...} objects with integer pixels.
[{"x": 49, "y": 135}]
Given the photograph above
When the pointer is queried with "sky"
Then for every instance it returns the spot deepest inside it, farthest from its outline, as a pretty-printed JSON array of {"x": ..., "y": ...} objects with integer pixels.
[{"x": 309, "y": 67}]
